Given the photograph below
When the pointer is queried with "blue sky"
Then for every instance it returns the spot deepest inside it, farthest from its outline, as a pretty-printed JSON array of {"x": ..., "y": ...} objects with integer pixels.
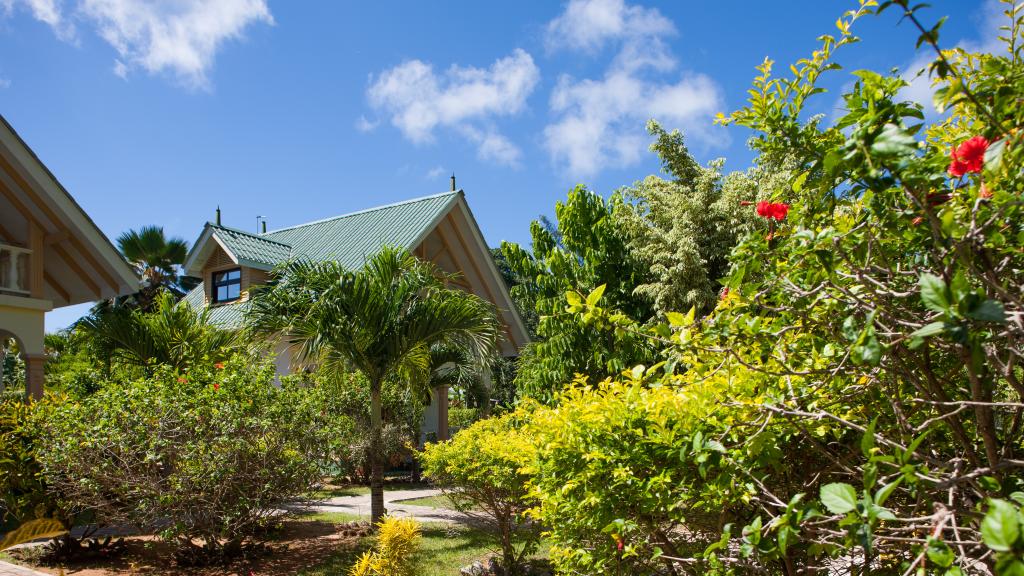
[{"x": 155, "y": 112}]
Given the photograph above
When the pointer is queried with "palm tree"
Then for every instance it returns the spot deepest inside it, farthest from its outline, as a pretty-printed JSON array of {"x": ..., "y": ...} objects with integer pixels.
[
  {"x": 384, "y": 320},
  {"x": 172, "y": 334},
  {"x": 156, "y": 259}
]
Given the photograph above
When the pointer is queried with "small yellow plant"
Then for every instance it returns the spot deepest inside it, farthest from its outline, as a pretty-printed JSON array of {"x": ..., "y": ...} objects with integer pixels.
[{"x": 398, "y": 540}]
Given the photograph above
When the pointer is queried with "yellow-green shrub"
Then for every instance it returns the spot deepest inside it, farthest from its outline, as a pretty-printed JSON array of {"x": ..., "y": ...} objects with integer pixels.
[
  {"x": 483, "y": 467},
  {"x": 398, "y": 541}
]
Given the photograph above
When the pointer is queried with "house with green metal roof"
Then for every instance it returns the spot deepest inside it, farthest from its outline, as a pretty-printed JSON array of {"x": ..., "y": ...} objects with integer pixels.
[{"x": 439, "y": 228}]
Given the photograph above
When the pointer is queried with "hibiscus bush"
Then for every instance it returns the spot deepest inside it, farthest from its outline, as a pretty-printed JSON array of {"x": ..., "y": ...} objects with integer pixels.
[
  {"x": 854, "y": 403},
  {"x": 205, "y": 457}
]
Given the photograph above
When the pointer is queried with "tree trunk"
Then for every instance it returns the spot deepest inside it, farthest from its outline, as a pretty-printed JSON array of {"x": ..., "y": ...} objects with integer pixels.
[{"x": 376, "y": 463}]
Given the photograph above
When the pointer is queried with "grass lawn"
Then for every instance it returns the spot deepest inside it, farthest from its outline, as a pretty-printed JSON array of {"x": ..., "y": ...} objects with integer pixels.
[
  {"x": 444, "y": 551},
  {"x": 332, "y": 491},
  {"x": 329, "y": 491},
  {"x": 439, "y": 501}
]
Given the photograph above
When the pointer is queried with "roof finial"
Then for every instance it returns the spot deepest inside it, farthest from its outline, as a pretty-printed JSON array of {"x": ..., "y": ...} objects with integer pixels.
[
  {"x": 453, "y": 181},
  {"x": 218, "y": 215}
]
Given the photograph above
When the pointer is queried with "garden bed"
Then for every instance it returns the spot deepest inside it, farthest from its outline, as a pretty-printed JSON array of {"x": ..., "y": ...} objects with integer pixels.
[
  {"x": 292, "y": 546},
  {"x": 313, "y": 545}
]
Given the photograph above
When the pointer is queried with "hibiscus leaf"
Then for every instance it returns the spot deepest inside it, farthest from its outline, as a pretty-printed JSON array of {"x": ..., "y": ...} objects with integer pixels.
[
  {"x": 894, "y": 141},
  {"x": 988, "y": 311},
  {"x": 929, "y": 330},
  {"x": 839, "y": 497},
  {"x": 934, "y": 293}
]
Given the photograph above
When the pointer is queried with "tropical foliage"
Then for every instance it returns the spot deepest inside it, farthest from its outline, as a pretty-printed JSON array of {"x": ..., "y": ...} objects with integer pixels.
[
  {"x": 385, "y": 320},
  {"x": 398, "y": 541},
  {"x": 586, "y": 250},
  {"x": 169, "y": 335},
  {"x": 853, "y": 402},
  {"x": 483, "y": 468},
  {"x": 207, "y": 457},
  {"x": 157, "y": 260}
]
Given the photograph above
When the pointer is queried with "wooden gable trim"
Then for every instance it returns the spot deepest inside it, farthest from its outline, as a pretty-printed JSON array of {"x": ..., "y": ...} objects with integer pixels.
[
  {"x": 29, "y": 191},
  {"x": 56, "y": 286},
  {"x": 73, "y": 264},
  {"x": 476, "y": 269},
  {"x": 52, "y": 216}
]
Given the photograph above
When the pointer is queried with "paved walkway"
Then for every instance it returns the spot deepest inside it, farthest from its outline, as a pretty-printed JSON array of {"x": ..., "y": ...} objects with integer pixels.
[
  {"x": 8, "y": 569},
  {"x": 360, "y": 505}
]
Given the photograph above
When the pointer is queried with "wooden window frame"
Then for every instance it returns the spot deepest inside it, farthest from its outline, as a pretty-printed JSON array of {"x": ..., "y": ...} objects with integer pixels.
[{"x": 215, "y": 284}]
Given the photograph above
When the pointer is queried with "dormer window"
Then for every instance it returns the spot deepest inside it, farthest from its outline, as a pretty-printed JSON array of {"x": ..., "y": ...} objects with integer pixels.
[{"x": 226, "y": 286}]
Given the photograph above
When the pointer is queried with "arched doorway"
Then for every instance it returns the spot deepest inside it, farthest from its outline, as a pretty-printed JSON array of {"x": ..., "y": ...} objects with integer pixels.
[{"x": 28, "y": 372}]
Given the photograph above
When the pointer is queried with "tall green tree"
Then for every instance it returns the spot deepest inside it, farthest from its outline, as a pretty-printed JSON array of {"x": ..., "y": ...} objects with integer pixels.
[
  {"x": 383, "y": 319},
  {"x": 157, "y": 260},
  {"x": 683, "y": 227},
  {"x": 585, "y": 249}
]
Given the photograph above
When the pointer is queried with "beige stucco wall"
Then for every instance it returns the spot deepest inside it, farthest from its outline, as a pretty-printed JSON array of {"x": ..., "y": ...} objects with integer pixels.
[{"x": 24, "y": 318}]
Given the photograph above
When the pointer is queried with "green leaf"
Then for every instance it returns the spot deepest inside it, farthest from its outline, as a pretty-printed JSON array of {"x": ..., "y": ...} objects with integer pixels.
[
  {"x": 934, "y": 293},
  {"x": 994, "y": 155},
  {"x": 675, "y": 318},
  {"x": 894, "y": 141},
  {"x": 594, "y": 297},
  {"x": 839, "y": 497},
  {"x": 940, "y": 553},
  {"x": 929, "y": 330},
  {"x": 1000, "y": 527},
  {"x": 988, "y": 311},
  {"x": 885, "y": 491}
]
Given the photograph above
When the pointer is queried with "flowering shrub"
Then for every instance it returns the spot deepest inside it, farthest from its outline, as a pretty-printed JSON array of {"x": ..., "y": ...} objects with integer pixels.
[
  {"x": 207, "y": 455},
  {"x": 854, "y": 402}
]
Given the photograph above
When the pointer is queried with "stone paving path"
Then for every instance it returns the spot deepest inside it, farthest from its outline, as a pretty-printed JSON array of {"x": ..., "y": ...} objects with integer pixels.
[
  {"x": 8, "y": 569},
  {"x": 393, "y": 503}
]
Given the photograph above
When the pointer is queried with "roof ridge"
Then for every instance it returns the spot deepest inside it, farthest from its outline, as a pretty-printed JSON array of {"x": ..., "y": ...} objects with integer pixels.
[
  {"x": 366, "y": 210},
  {"x": 250, "y": 234}
]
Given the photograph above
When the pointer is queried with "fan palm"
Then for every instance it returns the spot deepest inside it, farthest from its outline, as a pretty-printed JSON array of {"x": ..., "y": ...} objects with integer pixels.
[
  {"x": 156, "y": 259},
  {"x": 384, "y": 320}
]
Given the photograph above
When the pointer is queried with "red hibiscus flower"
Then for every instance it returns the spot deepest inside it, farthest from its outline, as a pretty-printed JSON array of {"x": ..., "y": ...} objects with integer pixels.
[
  {"x": 968, "y": 157},
  {"x": 772, "y": 210},
  {"x": 216, "y": 386},
  {"x": 219, "y": 365}
]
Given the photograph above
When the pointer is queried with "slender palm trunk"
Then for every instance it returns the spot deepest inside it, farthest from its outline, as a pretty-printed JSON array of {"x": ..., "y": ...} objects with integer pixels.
[{"x": 376, "y": 463}]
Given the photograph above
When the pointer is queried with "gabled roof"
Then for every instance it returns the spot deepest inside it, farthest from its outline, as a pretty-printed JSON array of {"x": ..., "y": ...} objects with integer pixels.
[
  {"x": 353, "y": 238},
  {"x": 350, "y": 240},
  {"x": 245, "y": 249},
  {"x": 81, "y": 264}
]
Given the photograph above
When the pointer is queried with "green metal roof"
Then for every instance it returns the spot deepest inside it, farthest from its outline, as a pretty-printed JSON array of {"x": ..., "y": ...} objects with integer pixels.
[
  {"x": 353, "y": 238},
  {"x": 252, "y": 249},
  {"x": 350, "y": 240}
]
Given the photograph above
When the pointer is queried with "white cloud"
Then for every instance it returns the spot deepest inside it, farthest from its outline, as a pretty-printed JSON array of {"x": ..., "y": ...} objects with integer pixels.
[
  {"x": 420, "y": 101},
  {"x": 600, "y": 122},
  {"x": 920, "y": 87},
  {"x": 588, "y": 24},
  {"x": 364, "y": 124},
  {"x": 435, "y": 172},
  {"x": 5, "y": 83},
  {"x": 47, "y": 11},
  {"x": 180, "y": 37}
]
